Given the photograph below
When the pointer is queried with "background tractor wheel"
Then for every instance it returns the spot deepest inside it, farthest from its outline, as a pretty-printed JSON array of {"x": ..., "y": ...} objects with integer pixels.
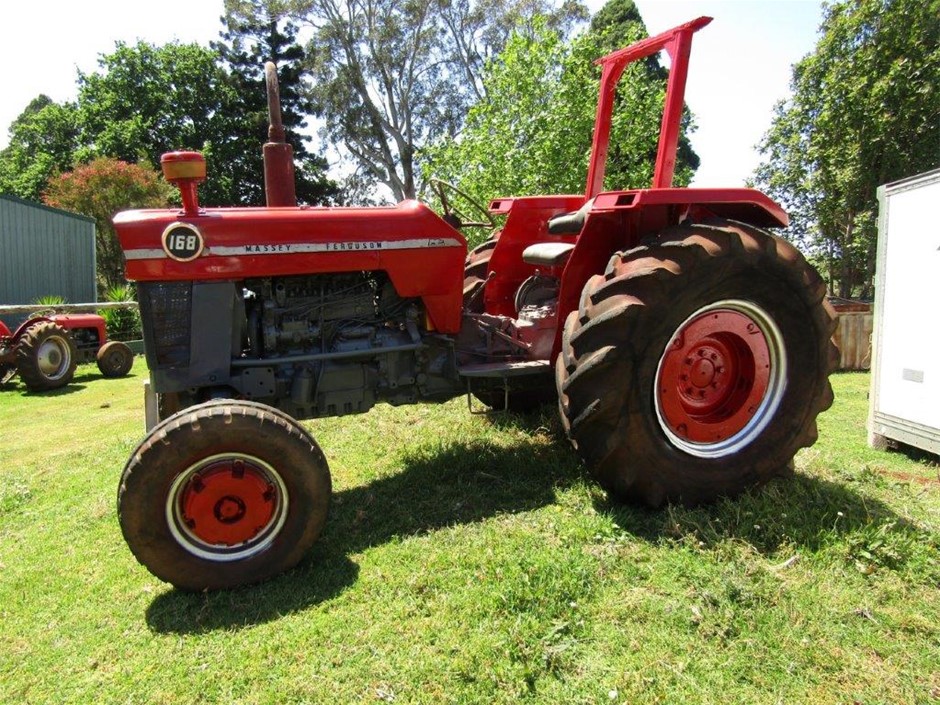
[
  {"x": 223, "y": 494},
  {"x": 115, "y": 359},
  {"x": 695, "y": 367},
  {"x": 46, "y": 356}
]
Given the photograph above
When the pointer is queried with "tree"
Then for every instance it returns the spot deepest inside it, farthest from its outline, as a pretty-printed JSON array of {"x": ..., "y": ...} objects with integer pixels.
[
  {"x": 147, "y": 100},
  {"x": 533, "y": 132},
  {"x": 863, "y": 112},
  {"x": 389, "y": 77},
  {"x": 100, "y": 189},
  {"x": 478, "y": 31},
  {"x": 250, "y": 38},
  {"x": 43, "y": 140}
]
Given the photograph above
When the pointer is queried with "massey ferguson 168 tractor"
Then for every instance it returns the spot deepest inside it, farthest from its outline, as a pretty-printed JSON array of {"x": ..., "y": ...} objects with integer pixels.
[
  {"x": 44, "y": 350},
  {"x": 687, "y": 348}
]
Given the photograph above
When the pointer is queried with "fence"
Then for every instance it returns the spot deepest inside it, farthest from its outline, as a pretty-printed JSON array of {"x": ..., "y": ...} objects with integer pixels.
[{"x": 853, "y": 334}]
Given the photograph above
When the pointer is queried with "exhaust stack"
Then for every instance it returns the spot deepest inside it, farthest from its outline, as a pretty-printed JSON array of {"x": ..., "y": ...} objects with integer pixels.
[{"x": 279, "y": 186}]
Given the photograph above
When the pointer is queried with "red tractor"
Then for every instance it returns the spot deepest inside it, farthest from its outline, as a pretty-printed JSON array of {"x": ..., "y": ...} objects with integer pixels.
[
  {"x": 688, "y": 349},
  {"x": 44, "y": 350}
]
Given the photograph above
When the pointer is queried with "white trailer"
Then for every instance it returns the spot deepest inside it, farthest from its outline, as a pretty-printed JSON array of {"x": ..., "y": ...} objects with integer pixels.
[{"x": 905, "y": 381}]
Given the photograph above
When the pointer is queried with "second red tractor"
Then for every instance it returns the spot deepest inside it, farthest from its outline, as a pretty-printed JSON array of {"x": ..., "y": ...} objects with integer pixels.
[{"x": 44, "y": 350}]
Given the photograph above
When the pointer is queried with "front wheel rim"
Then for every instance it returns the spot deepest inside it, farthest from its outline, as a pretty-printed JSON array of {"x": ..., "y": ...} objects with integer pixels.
[
  {"x": 227, "y": 507},
  {"x": 720, "y": 379}
]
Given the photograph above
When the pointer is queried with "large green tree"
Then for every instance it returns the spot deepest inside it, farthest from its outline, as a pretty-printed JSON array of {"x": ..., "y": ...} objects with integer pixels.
[
  {"x": 864, "y": 111},
  {"x": 533, "y": 131},
  {"x": 146, "y": 100},
  {"x": 43, "y": 140}
]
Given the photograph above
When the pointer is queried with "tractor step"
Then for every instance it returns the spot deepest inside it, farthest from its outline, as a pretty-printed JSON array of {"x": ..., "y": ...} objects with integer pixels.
[{"x": 502, "y": 370}]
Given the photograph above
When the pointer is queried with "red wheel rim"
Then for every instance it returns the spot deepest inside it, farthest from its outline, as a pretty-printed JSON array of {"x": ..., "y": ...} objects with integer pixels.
[
  {"x": 720, "y": 378},
  {"x": 227, "y": 507}
]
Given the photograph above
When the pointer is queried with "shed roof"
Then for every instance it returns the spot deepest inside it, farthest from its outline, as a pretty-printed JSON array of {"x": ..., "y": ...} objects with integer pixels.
[{"x": 43, "y": 206}]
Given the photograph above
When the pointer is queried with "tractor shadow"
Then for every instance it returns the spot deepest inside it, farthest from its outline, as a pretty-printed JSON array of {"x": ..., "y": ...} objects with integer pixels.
[
  {"x": 71, "y": 388},
  {"x": 800, "y": 512},
  {"x": 84, "y": 375},
  {"x": 438, "y": 487}
]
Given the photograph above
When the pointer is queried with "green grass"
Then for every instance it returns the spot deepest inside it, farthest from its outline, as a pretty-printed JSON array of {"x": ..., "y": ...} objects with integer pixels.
[{"x": 469, "y": 559}]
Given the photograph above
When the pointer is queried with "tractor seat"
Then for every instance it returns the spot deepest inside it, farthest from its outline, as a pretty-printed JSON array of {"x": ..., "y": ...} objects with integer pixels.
[
  {"x": 547, "y": 254},
  {"x": 570, "y": 223}
]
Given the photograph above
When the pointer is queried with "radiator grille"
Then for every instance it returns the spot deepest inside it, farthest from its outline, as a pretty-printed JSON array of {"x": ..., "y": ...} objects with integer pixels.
[{"x": 166, "y": 313}]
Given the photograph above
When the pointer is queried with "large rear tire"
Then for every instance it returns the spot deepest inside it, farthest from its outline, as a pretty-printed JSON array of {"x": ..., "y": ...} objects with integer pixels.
[
  {"x": 695, "y": 367},
  {"x": 223, "y": 494},
  {"x": 476, "y": 269},
  {"x": 46, "y": 356}
]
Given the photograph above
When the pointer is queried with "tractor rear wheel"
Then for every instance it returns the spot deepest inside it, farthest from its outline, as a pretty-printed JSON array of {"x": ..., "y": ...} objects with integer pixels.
[
  {"x": 695, "y": 367},
  {"x": 223, "y": 494},
  {"x": 115, "y": 359},
  {"x": 475, "y": 270},
  {"x": 46, "y": 356}
]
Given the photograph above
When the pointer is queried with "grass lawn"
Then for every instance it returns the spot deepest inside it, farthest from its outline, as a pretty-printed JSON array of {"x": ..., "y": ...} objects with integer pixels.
[{"x": 469, "y": 559}]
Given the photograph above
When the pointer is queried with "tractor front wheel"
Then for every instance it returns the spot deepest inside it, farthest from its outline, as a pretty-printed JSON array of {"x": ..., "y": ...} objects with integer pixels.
[
  {"x": 46, "y": 356},
  {"x": 115, "y": 359},
  {"x": 695, "y": 367},
  {"x": 223, "y": 494}
]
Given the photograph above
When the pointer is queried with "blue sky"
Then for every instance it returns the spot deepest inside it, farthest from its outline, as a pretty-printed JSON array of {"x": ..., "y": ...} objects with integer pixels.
[{"x": 740, "y": 63}]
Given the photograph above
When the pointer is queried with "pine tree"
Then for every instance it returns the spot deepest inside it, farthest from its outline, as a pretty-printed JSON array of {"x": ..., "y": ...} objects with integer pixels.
[{"x": 248, "y": 40}]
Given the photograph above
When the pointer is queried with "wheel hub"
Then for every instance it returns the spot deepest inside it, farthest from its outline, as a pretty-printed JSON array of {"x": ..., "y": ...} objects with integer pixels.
[
  {"x": 720, "y": 378},
  {"x": 227, "y": 503},
  {"x": 51, "y": 358},
  {"x": 227, "y": 506}
]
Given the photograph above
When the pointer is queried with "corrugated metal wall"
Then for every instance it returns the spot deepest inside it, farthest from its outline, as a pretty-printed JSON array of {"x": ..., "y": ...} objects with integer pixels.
[{"x": 45, "y": 251}]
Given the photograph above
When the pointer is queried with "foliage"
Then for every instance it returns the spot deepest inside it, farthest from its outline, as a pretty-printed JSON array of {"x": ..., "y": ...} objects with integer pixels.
[
  {"x": 478, "y": 31},
  {"x": 99, "y": 189},
  {"x": 390, "y": 77},
  {"x": 121, "y": 323},
  {"x": 147, "y": 100},
  {"x": 468, "y": 559},
  {"x": 533, "y": 132},
  {"x": 863, "y": 113},
  {"x": 253, "y": 35},
  {"x": 51, "y": 300},
  {"x": 43, "y": 140}
]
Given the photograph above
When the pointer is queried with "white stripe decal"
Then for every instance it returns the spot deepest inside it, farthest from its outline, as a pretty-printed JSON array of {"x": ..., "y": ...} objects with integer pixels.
[{"x": 306, "y": 247}]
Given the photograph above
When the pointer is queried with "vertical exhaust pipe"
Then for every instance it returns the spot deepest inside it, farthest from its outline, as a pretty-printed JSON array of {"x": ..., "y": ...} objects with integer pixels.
[{"x": 279, "y": 186}]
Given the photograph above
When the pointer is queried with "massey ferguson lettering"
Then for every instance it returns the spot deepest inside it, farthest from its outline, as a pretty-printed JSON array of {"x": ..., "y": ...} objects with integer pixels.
[
  {"x": 353, "y": 246},
  {"x": 263, "y": 249}
]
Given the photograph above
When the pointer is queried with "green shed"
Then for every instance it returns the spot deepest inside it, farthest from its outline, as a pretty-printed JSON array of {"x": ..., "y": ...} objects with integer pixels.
[{"x": 45, "y": 252}]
